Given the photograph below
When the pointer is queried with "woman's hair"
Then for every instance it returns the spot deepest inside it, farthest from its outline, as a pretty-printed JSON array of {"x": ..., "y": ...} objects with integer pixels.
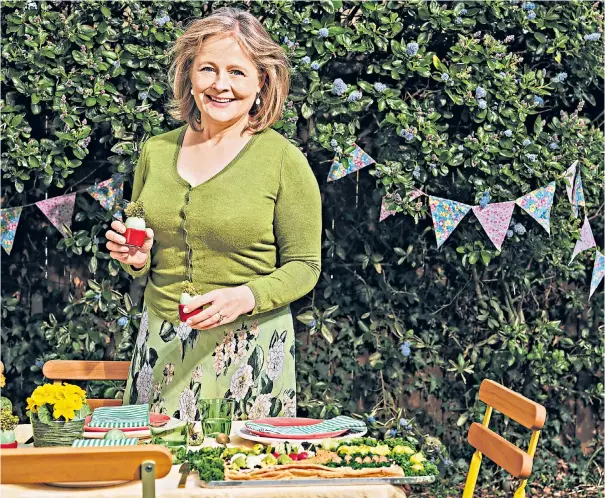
[{"x": 268, "y": 57}]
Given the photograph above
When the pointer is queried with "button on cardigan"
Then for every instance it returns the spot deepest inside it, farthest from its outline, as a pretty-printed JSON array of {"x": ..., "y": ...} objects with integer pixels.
[{"x": 257, "y": 223}]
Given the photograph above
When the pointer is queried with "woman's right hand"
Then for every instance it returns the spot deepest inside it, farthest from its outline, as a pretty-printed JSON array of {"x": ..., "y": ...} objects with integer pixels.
[{"x": 135, "y": 256}]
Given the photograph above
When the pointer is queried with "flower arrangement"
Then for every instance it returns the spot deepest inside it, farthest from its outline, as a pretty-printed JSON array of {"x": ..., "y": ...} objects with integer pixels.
[
  {"x": 53, "y": 401},
  {"x": 57, "y": 413}
]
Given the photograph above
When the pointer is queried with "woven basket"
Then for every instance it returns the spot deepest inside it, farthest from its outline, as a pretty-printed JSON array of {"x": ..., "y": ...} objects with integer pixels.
[{"x": 58, "y": 433}]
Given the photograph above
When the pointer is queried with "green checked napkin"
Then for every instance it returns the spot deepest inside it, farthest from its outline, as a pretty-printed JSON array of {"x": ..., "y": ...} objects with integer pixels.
[
  {"x": 118, "y": 417},
  {"x": 334, "y": 424},
  {"x": 81, "y": 443}
]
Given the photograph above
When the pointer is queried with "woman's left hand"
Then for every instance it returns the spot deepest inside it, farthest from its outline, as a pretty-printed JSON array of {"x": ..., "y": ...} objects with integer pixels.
[{"x": 225, "y": 306}]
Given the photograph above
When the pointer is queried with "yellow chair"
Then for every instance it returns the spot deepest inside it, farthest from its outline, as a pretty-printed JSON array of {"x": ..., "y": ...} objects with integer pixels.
[
  {"x": 503, "y": 453},
  {"x": 60, "y": 370}
]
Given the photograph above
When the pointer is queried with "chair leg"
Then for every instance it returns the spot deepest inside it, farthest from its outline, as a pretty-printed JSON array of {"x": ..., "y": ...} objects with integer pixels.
[
  {"x": 473, "y": 474},
  {"x": 531, "y": 451},
  {"x": 148, "y": 478}
]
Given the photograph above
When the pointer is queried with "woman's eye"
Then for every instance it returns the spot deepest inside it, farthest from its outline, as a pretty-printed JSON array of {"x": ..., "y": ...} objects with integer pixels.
[
  {"x": 238, "y": 72},
  {"x": 207, "y": 67}
]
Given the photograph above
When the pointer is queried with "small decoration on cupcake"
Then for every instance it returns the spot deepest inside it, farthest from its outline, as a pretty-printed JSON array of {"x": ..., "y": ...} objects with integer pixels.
[
  {"x": 135, "y": 224},
  {"x": 187, "y": 296}
]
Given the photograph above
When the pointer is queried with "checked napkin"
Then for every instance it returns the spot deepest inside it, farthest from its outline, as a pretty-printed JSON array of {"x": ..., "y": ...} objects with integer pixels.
[
  {"x": 81, "y": 443},
  {"x": 332, "y": 425}
]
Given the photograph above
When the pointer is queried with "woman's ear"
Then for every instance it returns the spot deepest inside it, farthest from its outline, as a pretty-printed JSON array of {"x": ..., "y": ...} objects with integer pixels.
[{"x": 262, "y": 81}]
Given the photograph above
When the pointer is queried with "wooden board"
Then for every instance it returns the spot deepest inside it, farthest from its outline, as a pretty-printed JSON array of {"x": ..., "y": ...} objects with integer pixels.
[{"x": 86, "y": 370}]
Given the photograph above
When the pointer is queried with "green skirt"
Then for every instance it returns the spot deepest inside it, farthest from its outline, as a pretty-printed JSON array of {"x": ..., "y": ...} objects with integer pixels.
[{"x": 250, "y": 360}]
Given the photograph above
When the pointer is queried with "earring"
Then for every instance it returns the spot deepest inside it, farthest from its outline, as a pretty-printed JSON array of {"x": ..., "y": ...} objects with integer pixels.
[
  {"x": 258, "y": 99},
  {"x": 192, "y": 91}
]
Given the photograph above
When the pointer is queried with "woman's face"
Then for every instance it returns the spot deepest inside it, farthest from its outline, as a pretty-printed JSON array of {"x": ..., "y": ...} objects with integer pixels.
[{"x": 222, "y": 71}]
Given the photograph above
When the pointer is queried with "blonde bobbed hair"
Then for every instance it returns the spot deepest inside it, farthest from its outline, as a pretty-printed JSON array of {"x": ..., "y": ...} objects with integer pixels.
[{"x": 268, "y": 57}]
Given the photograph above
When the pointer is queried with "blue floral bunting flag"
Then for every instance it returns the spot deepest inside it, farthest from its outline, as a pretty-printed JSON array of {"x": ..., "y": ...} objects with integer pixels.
[
  {"x": 578, "y": 196},
  {"x": 9, "y": 221},
  {"x": 356, "y": 160},
  {"x": 538, "y": 204},
  {"x": 446, "y": 215},
  {"x": 108, "y": 193},
  {"x": 597, "y": 273}
]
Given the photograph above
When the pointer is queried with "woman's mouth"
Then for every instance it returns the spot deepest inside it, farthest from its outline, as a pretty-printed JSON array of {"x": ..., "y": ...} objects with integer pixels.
[{"x": 219, "y": 102}]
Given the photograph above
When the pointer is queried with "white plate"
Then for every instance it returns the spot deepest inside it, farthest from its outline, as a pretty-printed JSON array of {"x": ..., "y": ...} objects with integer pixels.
[
  {"x": 146, "y": 433},
  {"x": 245, "y": 434}
]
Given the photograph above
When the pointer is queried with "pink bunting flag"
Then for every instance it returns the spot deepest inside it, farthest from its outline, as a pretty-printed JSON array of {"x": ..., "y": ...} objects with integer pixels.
[
  {"x": 356, "y": 160},
  {"x": 414, "y": 194},
  {"x": 538, "y": 204},
  {"x": 9, "y": 220},
  {"x": 586, "y": 239},
  {"x": 446, "y": 215},
  {"x": 578, "y": 196},
  {"x": 598, "y": 272},
  {"x": 385, "y": 212},
  {"x": 59, "y": 211},
  {"x": 495, "y": 220},
  {"x": 569, "y": 177}
]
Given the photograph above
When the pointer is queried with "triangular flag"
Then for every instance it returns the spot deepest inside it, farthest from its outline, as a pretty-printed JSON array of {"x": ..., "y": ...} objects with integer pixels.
[
  {"x": 9, "y": 221},
  {"x": 385, "y": 212},
  {"x": 538, "y": 204},
  {"x": 414, "y": 194},
  {"x": 356, "y": 160},
  {"x": 495, "y": 220},
  {"x": 597, "y": 273},
  {"x": 569, "y": 176},
  {"x": 108, "y": 193},
  {"x": 586, "y": 239},
  {"x": 446, "y": 216},
  {"x": 59, "y": 211},
  {"x": 578, "y": 196}
]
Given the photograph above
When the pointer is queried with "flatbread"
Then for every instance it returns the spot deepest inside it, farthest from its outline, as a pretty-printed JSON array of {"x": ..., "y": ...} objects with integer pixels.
[{"x": 300, "y": 470}]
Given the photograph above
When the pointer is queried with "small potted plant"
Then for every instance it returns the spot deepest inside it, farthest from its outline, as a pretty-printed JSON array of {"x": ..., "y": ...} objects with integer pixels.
[
  {"x": 135, "y": 224},
  {"x": 189, "y": 292},
  {"x": 8, "y": 422},
  {"x": 57, "y": 413}
]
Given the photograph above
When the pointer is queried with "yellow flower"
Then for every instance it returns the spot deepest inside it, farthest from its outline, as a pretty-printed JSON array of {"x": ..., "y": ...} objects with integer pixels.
[
  {"x": 64, "y": 408},
  {"x": 31, "y": 405},
  {"x": 70, "y": 389},
  {"x": 44, "y": 394},
  {"x": 2, "y": 380}
]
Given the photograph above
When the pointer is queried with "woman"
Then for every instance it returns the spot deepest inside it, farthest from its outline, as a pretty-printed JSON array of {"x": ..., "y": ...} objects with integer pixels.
[{"x": 234, "y": 208}]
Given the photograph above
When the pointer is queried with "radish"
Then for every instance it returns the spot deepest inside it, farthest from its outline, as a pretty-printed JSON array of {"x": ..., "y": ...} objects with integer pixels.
[{"x": 135, "y": 224}]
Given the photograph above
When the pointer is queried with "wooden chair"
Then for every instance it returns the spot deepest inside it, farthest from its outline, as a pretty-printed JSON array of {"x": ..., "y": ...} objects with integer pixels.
[
  {"x": 60, "y": 370},
  {"x": 505, "y": 454},
  {"x": 89, "y": 464}
]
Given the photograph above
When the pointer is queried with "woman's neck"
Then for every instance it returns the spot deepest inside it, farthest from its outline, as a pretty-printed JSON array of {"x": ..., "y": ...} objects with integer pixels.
[{"x": 218, "y": 132}]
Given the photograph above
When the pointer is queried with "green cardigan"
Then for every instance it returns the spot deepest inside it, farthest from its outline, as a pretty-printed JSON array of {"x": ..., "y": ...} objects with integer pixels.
[{"x": 256, "y": 223}]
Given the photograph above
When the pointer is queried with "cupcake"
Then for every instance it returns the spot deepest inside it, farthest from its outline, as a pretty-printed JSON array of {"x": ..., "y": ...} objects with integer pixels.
[{"x": 135, "y": 224}]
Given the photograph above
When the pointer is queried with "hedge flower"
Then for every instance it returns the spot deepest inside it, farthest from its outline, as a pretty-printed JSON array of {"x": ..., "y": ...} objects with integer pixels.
[
  {"x": 480, "y": 92},
  {"x": 379, "y": 87},
  {"x": 529, "y": 6},
  {"x": 531, "y": 157},
  {"x": 553, "y": 146},
  {"x": 526, "y": 142},
  {"x": 356, "y": 95},
  {"x": 482, "y": 104},
  {"x": 531, "y": 15},
  {"x": 393, "y": 432},
  {"x": 314, "y": 66},
  {"x": 371, "y": 419},
  {"x": 405, "y": 349},
  {"x": 458, "y": 20},
  {"x": 122, "y": 321},
  {"x": 306, "y": 20},
  {"x": 508, "y": 133},
  {"x": 323, "y": 33},
  {"x": 538, "y": 100},
  {"x": 445, "y": 77},
  {"x": 519, "y": 229},
  {"x": 509, "y": 233},
  {"x": 592, "y": 36},
  {"x": 412, "y": 48},
  {"x": 561, "y": 77},
  {"x": 339, "y": 87}
]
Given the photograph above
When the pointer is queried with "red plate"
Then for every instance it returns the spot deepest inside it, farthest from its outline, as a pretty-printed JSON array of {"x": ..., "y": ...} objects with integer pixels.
[
  {"x": 293, "y": 422},
  {"x": 153, "y": 417}
]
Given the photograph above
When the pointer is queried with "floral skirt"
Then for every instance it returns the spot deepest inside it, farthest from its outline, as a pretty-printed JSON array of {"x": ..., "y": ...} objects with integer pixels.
[{"x": 250, "y": 360}]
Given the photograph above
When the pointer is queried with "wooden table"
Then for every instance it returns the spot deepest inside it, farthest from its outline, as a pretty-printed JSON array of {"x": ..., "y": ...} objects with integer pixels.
[{"x": 167, "y": 487}]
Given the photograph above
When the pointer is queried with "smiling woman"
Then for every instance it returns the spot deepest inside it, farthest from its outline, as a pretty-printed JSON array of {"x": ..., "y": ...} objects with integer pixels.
[{"x": 232, "y": 208}]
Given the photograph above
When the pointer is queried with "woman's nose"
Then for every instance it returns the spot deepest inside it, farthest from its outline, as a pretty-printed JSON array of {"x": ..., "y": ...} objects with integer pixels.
[{"x": 222, "y": 81}]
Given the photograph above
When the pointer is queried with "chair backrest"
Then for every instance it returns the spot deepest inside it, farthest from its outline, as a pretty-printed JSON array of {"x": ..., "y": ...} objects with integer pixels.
[
  {"x": 88, "y": 464},
  {"x": 514, "y": 460},
  {"x": 60, "y": 370}
]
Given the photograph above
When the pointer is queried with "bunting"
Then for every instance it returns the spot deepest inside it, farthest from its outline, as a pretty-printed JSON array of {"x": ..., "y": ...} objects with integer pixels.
[
  {"x": 59, "y": 211},
  {"x": 385, "y": 212},
  {"x": 356, "y": 160},
  {"x": 538, "y": 204},
  {"x": 446, "y": 215},
  {"x": 414, "y": 194},
  {"x": 597, "y": 273},
  {"x": 586, "y": 239},
  {"x": 108, "y": 193},
  {"x": 578, "y": 196},
  {"x": 9, "y": 220},
  {"x": 569, "y": 177},
  {"x": 495, "y": 220}
]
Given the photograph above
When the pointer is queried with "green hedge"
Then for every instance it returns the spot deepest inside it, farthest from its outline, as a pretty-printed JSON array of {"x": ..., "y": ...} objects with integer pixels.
[{"x": 84, "y": 84}]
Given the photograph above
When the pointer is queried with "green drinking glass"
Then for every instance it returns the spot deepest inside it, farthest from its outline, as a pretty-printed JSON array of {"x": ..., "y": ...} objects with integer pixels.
[
  {"x": 173, "y": 437},
  {"x": 216, "y": 415}
]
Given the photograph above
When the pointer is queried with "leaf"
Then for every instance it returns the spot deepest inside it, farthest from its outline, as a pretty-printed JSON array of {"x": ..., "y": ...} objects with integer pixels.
[
  {"x": 538, "y": 125},
  {"x": 462, "y": 419},
  {"x": 44, "y": 415},
  {"x": 325, "y": 331},
  {"x": 256, "y": 361}
]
